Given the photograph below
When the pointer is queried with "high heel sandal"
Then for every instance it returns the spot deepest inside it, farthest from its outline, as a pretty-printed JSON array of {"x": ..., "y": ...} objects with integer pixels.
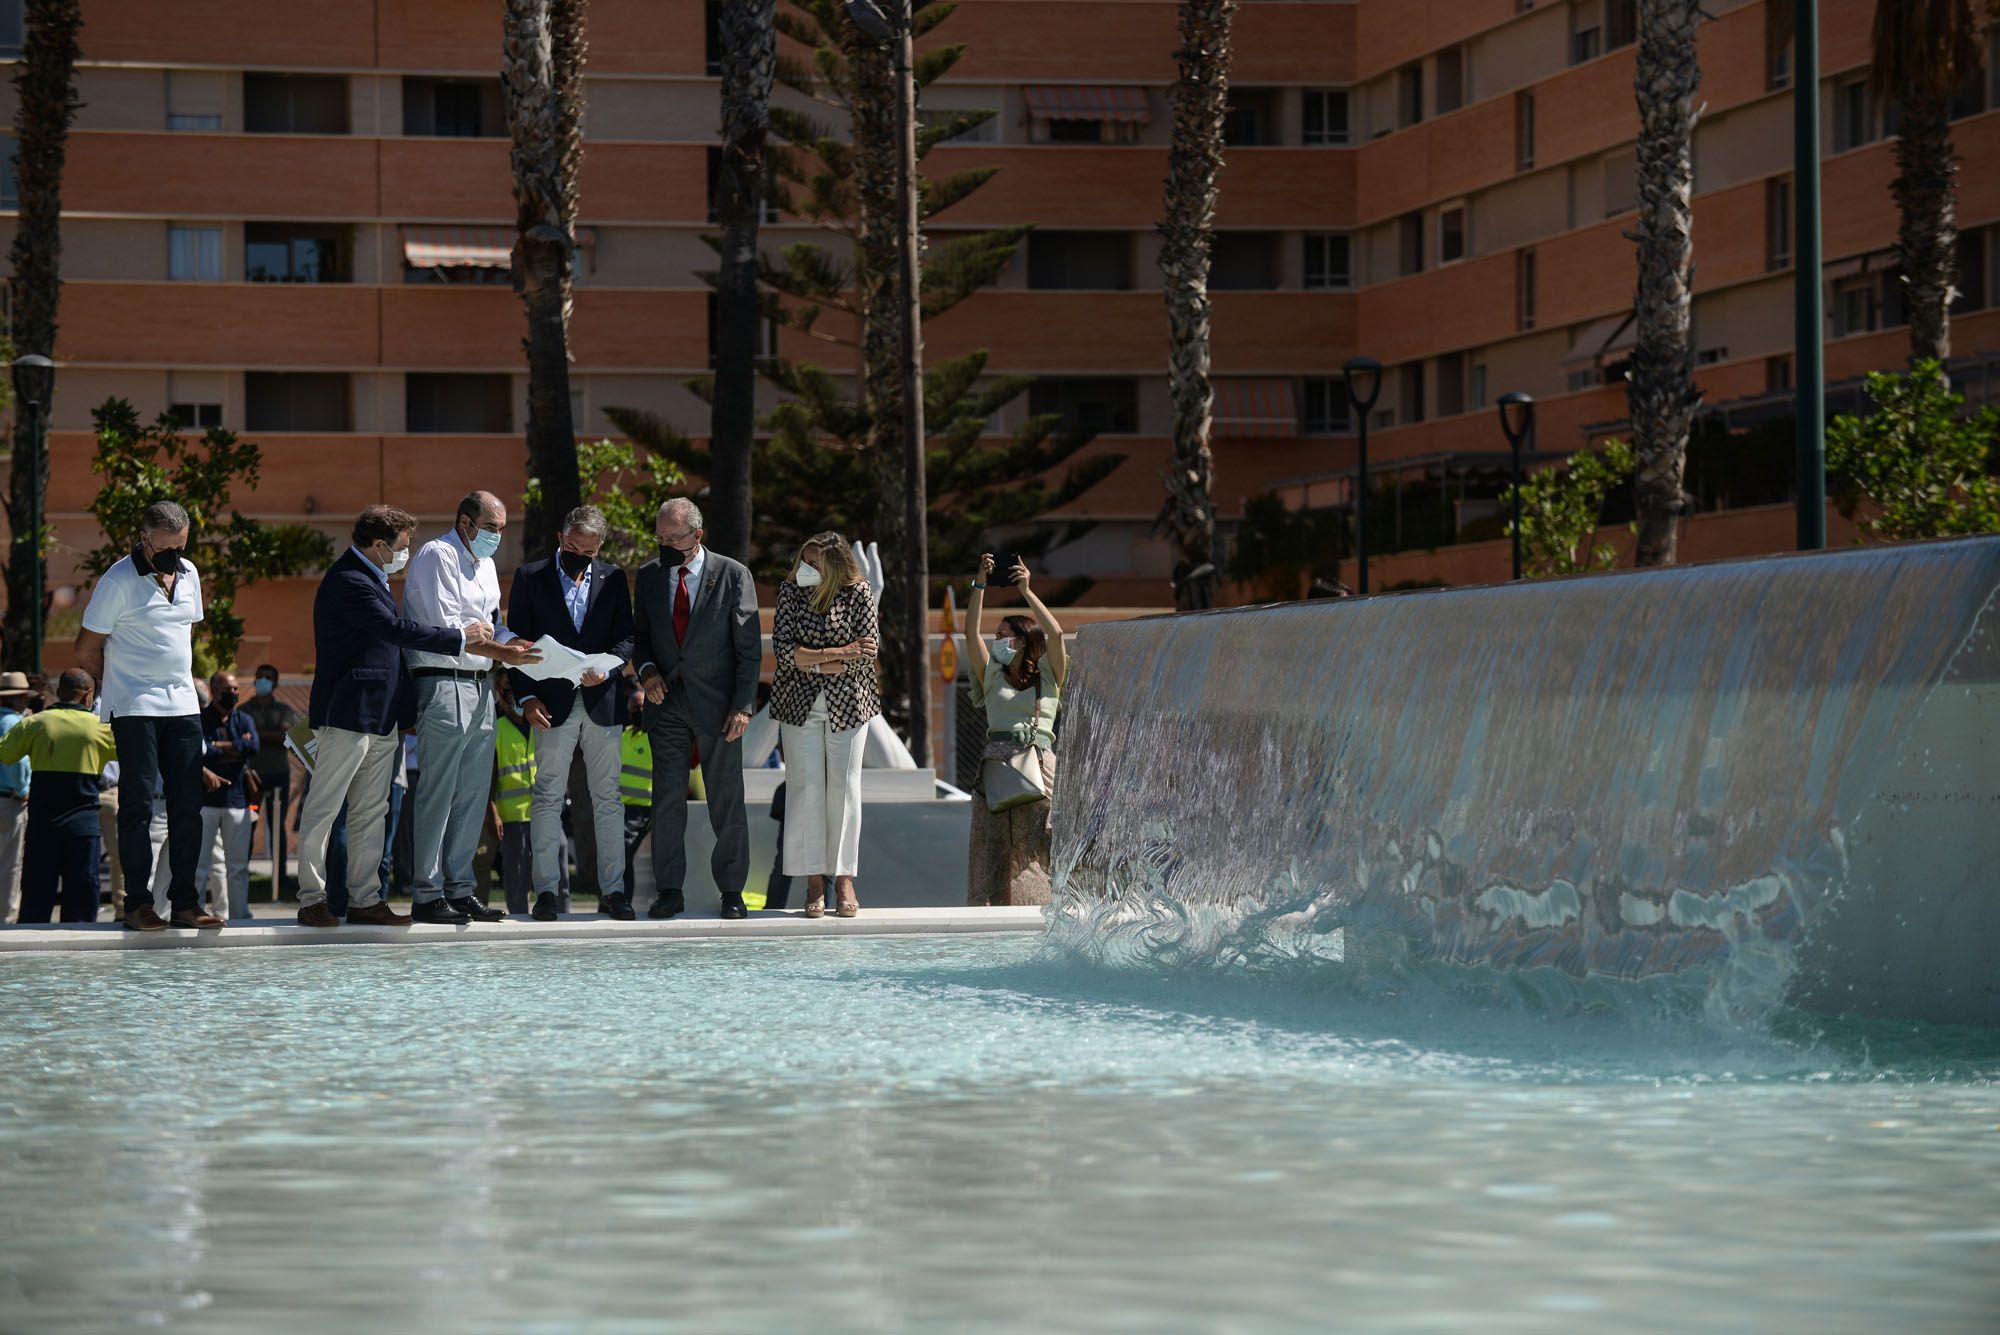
[
  {"x": 848, "y": 908},
  {"x": 816, "y": 902}
]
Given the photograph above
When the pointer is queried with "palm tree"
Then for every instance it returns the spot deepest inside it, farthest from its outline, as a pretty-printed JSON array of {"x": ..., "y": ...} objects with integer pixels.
[
  {"x": 1187, "y": 228},
  {"x": 542, "y": 74},
  {"x": 45, "y": 83},
  {"x": 1661, "y": 392},
  {"x": 749, "y": 59}
]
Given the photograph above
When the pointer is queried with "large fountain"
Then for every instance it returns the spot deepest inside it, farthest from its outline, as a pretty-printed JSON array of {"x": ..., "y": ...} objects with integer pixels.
[{"x": 1771, "y": 778}]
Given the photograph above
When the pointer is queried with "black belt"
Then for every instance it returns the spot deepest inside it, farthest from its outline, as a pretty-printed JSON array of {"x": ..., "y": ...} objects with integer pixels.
[{"x": 460, "y": 673}]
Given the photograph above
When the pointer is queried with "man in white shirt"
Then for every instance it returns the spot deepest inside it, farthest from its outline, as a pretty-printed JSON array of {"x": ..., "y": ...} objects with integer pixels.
[
  {"x": 453, "y": 581},
  {"x": 138, "y": 640}
]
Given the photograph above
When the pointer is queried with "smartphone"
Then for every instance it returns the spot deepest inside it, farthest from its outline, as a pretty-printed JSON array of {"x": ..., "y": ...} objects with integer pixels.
[{"x": 1003, "y": 567}]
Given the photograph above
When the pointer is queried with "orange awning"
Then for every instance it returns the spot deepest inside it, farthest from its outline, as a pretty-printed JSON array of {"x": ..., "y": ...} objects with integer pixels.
[
  {"x": 466, "y": 247},
  {"x": 1256, "y": 408},
  {"x": 1063, "y": 102}
]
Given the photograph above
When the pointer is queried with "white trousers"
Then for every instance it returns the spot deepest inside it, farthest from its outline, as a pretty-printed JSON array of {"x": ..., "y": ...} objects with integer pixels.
[
  {"x": 822, "y": 796},
  {"x": 13, "y": 841},
  {"x": 354, "y": 768},
  {"x": 554, "y": 748},
  {"x": 225, "y": 844},
  {"x": 156, "y": 833}
]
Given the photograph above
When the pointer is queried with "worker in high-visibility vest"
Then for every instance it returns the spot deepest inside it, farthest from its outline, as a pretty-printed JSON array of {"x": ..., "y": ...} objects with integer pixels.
[{"x": 635, "y": 790}]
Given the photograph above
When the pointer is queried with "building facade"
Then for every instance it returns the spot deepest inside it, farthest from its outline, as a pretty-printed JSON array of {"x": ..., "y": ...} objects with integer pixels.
[{"x": 293, "y": 219}]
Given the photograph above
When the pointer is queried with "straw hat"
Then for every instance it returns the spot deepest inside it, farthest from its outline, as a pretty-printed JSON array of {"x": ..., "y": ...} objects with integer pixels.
[{"x": 14, "y": 683}]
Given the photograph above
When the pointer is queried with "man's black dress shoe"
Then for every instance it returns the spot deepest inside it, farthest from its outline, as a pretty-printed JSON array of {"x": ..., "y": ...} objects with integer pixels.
[
  {"x": 545, "y": 908},
  {"x": 616, "y": 906},
  {"x": 470, "y": 906},
  {"x": 670, "y": 903},
  {"x": 438, "y": 911},
  {"x": 734, "y": 907}
]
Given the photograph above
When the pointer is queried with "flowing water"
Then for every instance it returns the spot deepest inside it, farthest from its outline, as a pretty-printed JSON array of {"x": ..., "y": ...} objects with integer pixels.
[{"x": 962, "y": 1133}]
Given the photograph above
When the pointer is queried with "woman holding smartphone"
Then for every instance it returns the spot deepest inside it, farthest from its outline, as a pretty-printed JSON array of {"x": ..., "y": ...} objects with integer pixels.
[{"x": 1018, "y": 680}]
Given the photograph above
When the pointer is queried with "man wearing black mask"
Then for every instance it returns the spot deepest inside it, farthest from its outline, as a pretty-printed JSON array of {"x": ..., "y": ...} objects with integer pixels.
[
  {"x": 233, "y": 743},
  {"x": 138, "y": 640}
]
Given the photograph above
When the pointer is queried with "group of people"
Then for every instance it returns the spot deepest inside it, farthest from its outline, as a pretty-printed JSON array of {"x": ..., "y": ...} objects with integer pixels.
[{"x": 468, "y": 682}]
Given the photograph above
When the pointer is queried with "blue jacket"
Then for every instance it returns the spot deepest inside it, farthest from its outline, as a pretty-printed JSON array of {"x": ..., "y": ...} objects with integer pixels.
[
  {"x": 239, "y": 729},
  {"x": 359, "y": 681},
  {"x": 537, "y": 608}
]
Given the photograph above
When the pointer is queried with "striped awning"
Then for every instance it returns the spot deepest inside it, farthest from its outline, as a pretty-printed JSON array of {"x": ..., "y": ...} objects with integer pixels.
[
  {"x": 1061, "y": 102},
  {"x": 1256, "y": 408},
  {"x": 466, "y": 247}
]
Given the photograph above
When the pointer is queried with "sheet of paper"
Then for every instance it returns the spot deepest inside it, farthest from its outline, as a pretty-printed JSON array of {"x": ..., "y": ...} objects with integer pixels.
[{"x": 562, "y": 663}]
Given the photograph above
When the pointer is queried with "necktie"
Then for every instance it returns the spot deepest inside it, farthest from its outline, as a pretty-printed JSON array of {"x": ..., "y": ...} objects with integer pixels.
[{"x": 681, "y": 609}]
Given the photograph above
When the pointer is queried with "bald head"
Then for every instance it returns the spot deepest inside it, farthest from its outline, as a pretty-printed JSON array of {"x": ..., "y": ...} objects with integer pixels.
[{"x": 74, "y": 686}]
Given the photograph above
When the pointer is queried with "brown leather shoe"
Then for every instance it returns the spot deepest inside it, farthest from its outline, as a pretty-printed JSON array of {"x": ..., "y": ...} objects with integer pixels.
[
  {"x": 141, "y": 917},
  {"x": 194, "y": 918},
  {"x": 317, "y": 915},
  {"x": 378, "y": 914}
]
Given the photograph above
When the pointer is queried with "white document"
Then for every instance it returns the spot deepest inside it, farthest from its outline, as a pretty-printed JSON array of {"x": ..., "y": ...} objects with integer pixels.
[{"x": 562, "y": 663}]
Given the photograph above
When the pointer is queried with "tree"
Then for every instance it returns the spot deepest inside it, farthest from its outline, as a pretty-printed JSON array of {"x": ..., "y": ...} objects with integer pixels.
[
  {"x": 629, "y": 488},
  {"x": 1187, "y": 230},
  {"x": 541, "y": 73},
  {"x": 1661, "y": 392},
  {"x": 1562, "y": 509},
  {"x": 1923, "y": 467},
  {"x": 45, "y": 86},
  {"x": 749, "y": 58},
  {"x": 141, "y": 464}
]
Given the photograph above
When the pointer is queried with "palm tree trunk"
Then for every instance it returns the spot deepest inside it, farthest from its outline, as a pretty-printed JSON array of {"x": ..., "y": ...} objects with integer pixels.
[
  {"x": 1661, "y": 393},
  {"x": 45, "y": 83},
  {"x": 749, "y": 58},
  {"x": 542, "y": 72},
  {"x": 1200, "y": 99},
  {"x": 1927, "y": 239}
]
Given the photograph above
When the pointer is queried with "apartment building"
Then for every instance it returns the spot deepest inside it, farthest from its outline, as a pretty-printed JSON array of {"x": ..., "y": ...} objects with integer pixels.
[{"x": 293, "y": 219}]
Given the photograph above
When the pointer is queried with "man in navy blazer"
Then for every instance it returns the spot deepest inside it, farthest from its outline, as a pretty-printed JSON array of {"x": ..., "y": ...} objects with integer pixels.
[
  {"x": 361, "y": 700},
  {"x": 584, "y": 603}
]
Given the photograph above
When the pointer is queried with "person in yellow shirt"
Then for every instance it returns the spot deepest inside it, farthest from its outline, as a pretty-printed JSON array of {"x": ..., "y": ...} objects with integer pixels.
[{"x": 68, "y": 747}]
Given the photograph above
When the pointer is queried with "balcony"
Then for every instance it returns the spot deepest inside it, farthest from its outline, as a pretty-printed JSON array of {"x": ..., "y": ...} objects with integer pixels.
[{"x": 1093, "y": 185}]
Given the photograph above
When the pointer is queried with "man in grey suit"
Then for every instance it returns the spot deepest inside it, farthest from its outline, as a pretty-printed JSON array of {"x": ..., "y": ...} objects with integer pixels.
[{"x": 699, "y": 650}]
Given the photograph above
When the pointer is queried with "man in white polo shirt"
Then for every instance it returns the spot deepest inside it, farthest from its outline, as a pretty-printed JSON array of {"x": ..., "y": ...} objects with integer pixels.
[{"x": 138, "y": 640}]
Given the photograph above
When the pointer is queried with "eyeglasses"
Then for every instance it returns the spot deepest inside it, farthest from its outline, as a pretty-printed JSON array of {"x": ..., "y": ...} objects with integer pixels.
[{"x": 676, "y": 539}]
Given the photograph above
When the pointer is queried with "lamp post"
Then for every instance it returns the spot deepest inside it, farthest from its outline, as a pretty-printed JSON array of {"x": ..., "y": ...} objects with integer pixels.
[
  {"x": 1808, "y": 333},
  {"x": 1517, "y": 419},
  {"x": 1364, "y": 386},
  {"x": 33, "y": 376}
]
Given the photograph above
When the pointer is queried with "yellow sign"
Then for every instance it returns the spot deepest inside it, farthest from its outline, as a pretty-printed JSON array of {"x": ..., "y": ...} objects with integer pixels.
[
  {"x": 948, "y": 660},
  {"x": 950, "y": 612}
]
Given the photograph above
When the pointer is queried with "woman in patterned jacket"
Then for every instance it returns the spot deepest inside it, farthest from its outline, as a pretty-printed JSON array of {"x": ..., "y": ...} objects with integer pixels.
[{"x": 823, "y": 694}]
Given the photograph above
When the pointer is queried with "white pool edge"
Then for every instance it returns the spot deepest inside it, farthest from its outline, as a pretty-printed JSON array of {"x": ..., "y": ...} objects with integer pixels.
[{"x": 16, "y": 940}]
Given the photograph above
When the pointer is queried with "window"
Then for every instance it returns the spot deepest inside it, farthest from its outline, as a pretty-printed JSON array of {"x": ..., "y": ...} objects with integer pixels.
[
  {"x": 10, "y": 175},
  {"x": 194, "y": 254},
  {"x": 1326, "y": 116},
  {"x": 296, "y": 401},
  {"x": 471, "y": 404},
  {"x": 1973, "y": 271},
  {"x": 1252, "y": 117},
  {"x": 1324, "y": 408},
  {"x": 1061, "y": 131},
  {"x": 985, "y": 132},
  {"x": 1410, "y": 244},
  {"x": 1621, "y": 23},
  {"x": 1524, "y": 130},
  {"x": 712, "y": 37},
  {"x": 295, "y": 103},
  {"x": 296, "y": 253},
  {"x": 1477, "y": 390},
  {"x": 1450, "y": 79},
  {"x": 1524, "y": 289},
  {"x": 1451, "y": 384},
  {"x": 195, "y": 99},
  {"x": 1853, "y": 306},
  {"x": 1088, "y": 260},
  {"x": 1451, "y": 234},
  {"x": 1243, "y": 261},
  {"x": 1586, "y": 39},
  {"x": 12, "y": 30},
  {"x": 770, "y": 214},
  {"x": 1853, "y": 114},
  {"x": 1778, "y": 223},
  {"x": 191, "y": 121},
  {"x": 1777, "y": 374},
  {"x": 1087, "y": 406},
  {"x": 1410, "y": 392},
  {"x": 1409, "y": 95},
  {"x": 454, "y": 108},
  {"x": 1328, "y": 260},
  {"x": 1778, "y": 47},
  {"x": 195, "y": 416},
  {"x": 1894, "y": 299},
  {"x": 1621, "y": 182}
]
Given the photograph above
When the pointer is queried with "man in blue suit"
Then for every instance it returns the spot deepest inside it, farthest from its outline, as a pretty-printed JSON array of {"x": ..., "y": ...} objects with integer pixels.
[{"x": 361, "y": 697}]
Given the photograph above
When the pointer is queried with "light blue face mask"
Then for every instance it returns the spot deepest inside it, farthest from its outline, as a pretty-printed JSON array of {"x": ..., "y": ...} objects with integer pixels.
[
  {"x": 484, "y": 544},
  {"x": 1003, "y": 652}
]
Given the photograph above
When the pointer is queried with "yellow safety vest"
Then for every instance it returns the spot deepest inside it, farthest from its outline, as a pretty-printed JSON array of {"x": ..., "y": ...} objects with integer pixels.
[
  {"x": 635, "y": 768},
  {"x": 514, "y": 753}
]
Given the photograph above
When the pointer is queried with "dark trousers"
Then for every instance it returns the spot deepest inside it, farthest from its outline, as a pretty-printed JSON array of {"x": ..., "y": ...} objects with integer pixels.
[
  {"x": 336, "y": 854},
  {"x": 55, "y": 856},
  {"x": 674, "y": 738},
  {"x": 167, "y": 752}
]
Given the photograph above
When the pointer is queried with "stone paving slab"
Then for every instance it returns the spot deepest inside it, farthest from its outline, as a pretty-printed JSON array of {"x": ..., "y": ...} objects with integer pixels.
[{"x": 570, "y": 927}]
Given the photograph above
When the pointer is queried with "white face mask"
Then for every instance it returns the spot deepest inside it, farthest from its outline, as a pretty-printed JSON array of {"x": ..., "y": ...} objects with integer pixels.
[
  {"x": 1003, "y": 652},
  {"x": 806, "y": 576},
  {"x": 397, "y": 560}
]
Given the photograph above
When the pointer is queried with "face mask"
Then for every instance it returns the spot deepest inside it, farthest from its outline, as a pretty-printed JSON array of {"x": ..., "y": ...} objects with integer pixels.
[
  {"x": 807, "y": 577},
  {"x": 265, "y": 685},
  {"x": 226, "y": 701},
  {"x": 167, "y": 560},
  {"x": 397, "y": 560},
  {"x": 671, "y": 556},
  {"x": 573, "y": 563},
  {"x": 483, "y": 544},
  {"x": 1003, "y": 652}
]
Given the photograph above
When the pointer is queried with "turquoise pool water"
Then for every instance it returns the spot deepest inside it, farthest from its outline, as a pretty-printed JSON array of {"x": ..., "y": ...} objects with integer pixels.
[{"x": 964, "y": 1133}]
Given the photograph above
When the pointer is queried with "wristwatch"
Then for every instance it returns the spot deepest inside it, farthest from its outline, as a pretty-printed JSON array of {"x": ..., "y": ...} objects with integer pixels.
[{"x": 978, "y": 584}]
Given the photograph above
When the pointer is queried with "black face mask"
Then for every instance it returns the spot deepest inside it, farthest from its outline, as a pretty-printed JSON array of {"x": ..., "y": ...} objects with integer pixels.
[
  {"x": 573, "y": 563},
  {"x": 226, "y": 701},
  {"x": 671, "y": 556},
  {"x": 167, "y": 560}
]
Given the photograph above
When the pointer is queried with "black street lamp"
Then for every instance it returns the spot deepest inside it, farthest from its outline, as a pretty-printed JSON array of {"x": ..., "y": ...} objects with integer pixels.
[
  {"x": 35, "y": 390},
  {"x": 1364, "y": 386},
  {"x": 1517, "y": 419}
]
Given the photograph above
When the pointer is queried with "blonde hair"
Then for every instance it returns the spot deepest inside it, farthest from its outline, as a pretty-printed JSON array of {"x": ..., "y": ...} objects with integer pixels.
[{"x": 838, "y": 568}]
